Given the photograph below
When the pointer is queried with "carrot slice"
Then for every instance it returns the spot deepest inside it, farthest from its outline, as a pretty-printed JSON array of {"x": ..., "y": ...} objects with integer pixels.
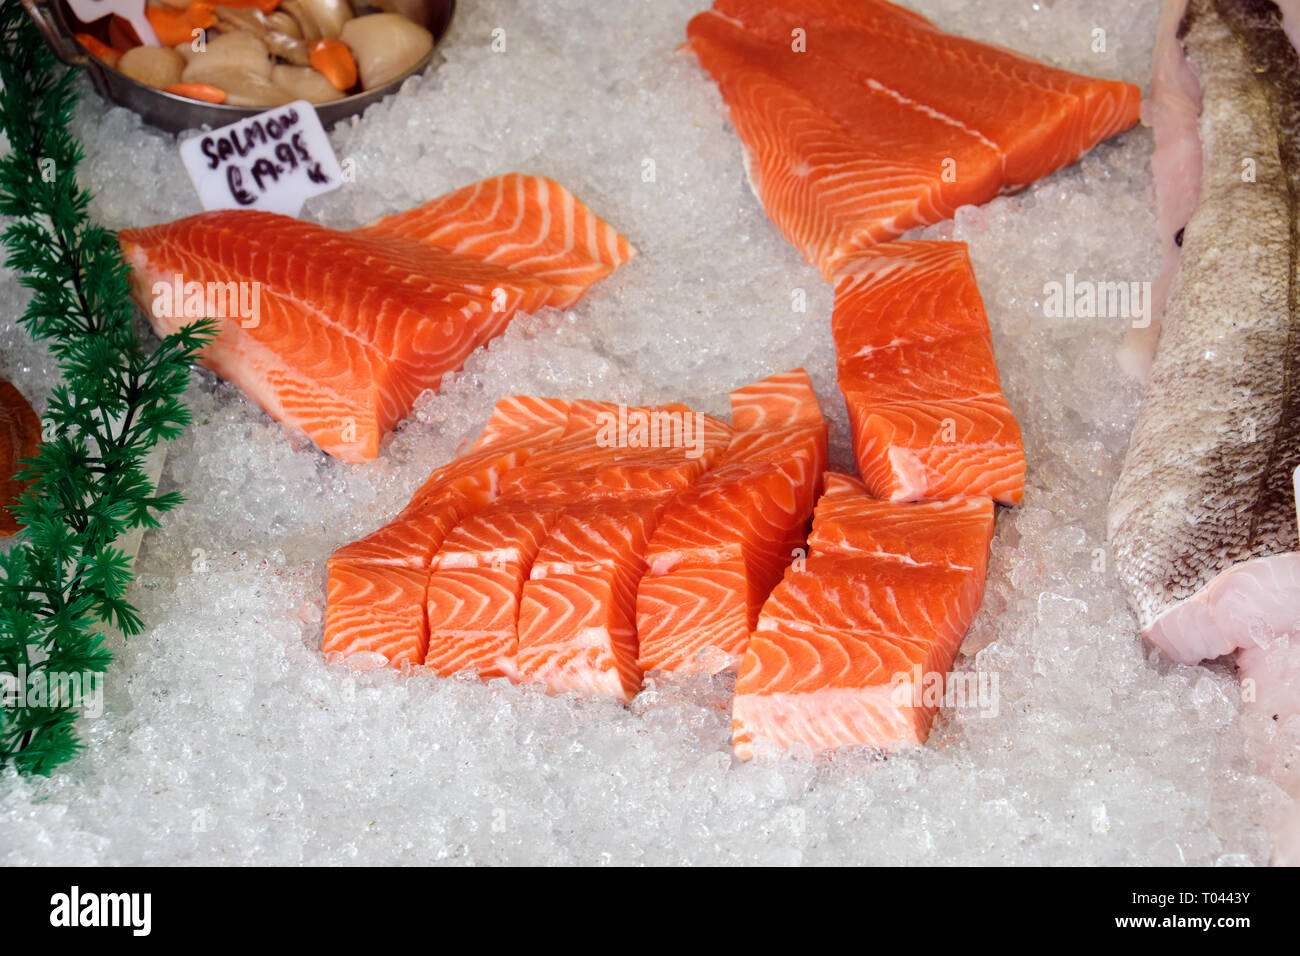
[
  {"x": 334, "y": 61},
  {"x": 98, "y": 48},
  {"x": 266, "y": 6},
  {"x": 198, "y": 91},
  {"x": 201, "y": 15},
  {"x": 173, "y": 27}
]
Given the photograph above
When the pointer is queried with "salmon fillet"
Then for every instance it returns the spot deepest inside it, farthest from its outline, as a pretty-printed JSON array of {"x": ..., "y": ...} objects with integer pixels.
[
  {"x": 915, "y": 362},
  {"x": 862, "y": 120},
  {"x": 377, "y": 598},
  {"x": 474, "y": 589},
  {"x": 524, "y": 557},
  {"x": 845, "y": 644},
  {"x": 722, "y": 545},
  {"x": 577, "y": 616},
  {"x": 349, "y": 327}
]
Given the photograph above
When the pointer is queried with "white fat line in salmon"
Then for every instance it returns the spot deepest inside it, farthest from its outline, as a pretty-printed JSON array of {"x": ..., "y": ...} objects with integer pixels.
[
  {"x": 1086, "y": 299},
  {"x": 179, "y": 299},
  {"x": 651, "y": 428},
  {"x": 39, "y": 688},
  {"x": 965, "y": 691}
]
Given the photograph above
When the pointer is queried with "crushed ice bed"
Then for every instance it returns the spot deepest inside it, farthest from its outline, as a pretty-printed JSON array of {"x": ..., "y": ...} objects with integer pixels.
[{"x": 226, "y": 737}]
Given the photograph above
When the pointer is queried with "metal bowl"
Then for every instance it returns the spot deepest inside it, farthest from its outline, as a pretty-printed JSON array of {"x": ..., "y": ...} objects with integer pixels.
[{"x": 176, "y": 113}]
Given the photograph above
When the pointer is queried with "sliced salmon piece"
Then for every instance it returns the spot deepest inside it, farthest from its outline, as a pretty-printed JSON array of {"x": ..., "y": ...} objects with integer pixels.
[
  {"x": 473, "y": 620},
  {"x": 849, "y": 523},
  {"x": 350, "y": 327},
  {"x": 610, "y": 450},
  {"x": 915, "y": 363},
  {"x": 696, "y": 618},
  {"x": 863, "y": 120},
  {"x": 377, "y": 598},
  {"x": 377, "y": 584},
  {"x": 577, "y": 616},
  {"x": 781, "y": 401},
  {"x": 375, "y": 613},
  {"x": 522, "y": 417},
  {"x": 475, "y": 586},
  {"x": 847, "y": 644},
  {"x": 722, "y": 545}
]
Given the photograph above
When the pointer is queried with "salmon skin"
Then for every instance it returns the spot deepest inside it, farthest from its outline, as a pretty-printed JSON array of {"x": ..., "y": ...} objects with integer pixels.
[
  {"x": 524, "y": 558},
  {"x": 915, "y": 363},
  {"x": 848, "y": 643},
  {"x": 337, "y": 332},
  {"x": 861, "y": 120}
]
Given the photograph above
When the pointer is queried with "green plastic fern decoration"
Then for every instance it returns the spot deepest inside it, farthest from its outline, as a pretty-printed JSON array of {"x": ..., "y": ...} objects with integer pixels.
[{"x": 63, "y": 580}]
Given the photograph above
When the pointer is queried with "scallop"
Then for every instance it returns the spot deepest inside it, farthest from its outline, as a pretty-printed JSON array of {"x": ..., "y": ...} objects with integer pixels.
[
  {"x": 385, "y": 45},
  {"x": 304, "y": 83},
  {"x": 236, "y": 52},
  {"x": 156, "y": 66}
]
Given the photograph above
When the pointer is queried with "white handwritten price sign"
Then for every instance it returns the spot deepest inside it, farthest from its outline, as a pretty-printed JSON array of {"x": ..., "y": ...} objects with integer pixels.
[
  {"x": 132, "y": 11},
  {"x": 274, "y": 161}
]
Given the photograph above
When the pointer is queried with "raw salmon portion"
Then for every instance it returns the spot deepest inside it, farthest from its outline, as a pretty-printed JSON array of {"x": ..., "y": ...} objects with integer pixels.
[
  {"x": 846, "y": 645},
  {"x": 721, "y": 546},
  {"x": 475, "y": 586},
  {"x": 377, "y": 585},
  {"x": 577, "y": 616},
  {"x": 473, "y": 620},
  {"x": 523, "y": 557},
  {"x": 713, "y": 560},
  {"x": 475, "y": 592},
  {"x": 522, "y": 417},
  {"x": 861, "y": 120},
  {"x": 376, "y": 609},
  {"x": 781, "y": 401},
  {"x": 610, "y": 450},
  {"x": 915, "y": 363},
  {"x": 632, "y": 459},
  {"x": 338, "y": 332},
  {"x": 849, "y": 524}
]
